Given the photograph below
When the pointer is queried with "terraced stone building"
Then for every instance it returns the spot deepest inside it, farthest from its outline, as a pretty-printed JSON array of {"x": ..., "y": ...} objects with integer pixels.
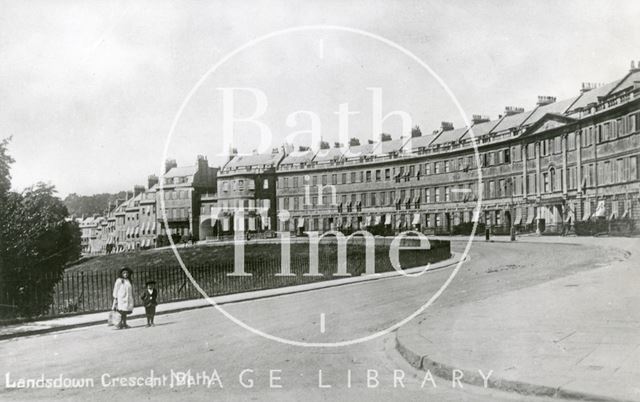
[{"x": 543, "y": 169}]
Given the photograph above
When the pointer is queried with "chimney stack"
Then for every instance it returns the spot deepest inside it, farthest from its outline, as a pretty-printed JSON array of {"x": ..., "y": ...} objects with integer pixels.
[
  {"x": 545, "y": 100},
  {"x": 446, "y": 126},
  {"x": 634, "y": 68},
  {"x": 152, "y": 180},
  {"x": 170, "y": 164},
  {"x": 511, "y": 110},
  {"x": 138, "y": 189},
  {"x": 477, "y": 119}
]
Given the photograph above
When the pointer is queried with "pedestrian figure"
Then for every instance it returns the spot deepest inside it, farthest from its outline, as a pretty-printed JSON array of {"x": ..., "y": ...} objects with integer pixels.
[
  {"x": 150, "y": 300},
  {"x": 123, "y": 296}
]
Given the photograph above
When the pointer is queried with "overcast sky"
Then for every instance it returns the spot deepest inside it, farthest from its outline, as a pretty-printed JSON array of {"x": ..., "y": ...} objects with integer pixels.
[{"x": 89, "y": 90}]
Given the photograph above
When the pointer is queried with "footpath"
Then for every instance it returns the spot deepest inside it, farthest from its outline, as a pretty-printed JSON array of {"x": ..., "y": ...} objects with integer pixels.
[
  {"x": 83, "y": 320},
  {"x": 576, "y": 337}
]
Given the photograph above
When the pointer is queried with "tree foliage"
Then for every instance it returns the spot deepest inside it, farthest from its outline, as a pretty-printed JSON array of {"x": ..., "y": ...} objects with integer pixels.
[
  {"x": 37, "y": 240},
  {"x": 89, "y": 205}
]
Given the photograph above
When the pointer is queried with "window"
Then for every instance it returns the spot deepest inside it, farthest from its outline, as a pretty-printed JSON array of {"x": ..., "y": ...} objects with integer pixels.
[
  {"x": 571, "y": 141},
  {"x": 383, "y": 200},
  {"x": 314, "y": 180},
  {"x": 492, "y": 189},
  {"x": 501, "y": 188},
  {"x": 446, "y": 166},
  {"x": 368, "y": 175},
  {"x": 361, "y": 177},
  {"x": 412, "y": 170},
  {"x": 618, "y": 174},
  {"x": 572, "y": 178},
  {"x": 373, "y": 199},
  {"x": 324, "y": 179},
  {"x": 378, "y": 175},
  {"x": 427, "y": 195},
  {"x": 344, "y": 178},
  {"x": 387, "y": 174},
  {"x": 436, "y": 167},
  {"x": 295, "y": 182},
  {"x": 265, "y": 184},
  {"x": 633, "y": 168},
  {"x": 507, "y": 155},
  {"x": 447, "y": 194},
  {"x": 427, "y": 169},
  {"x": 240, "y": 184},
  {"x": 334, "y": 179},
  {"x": 531, "y": 151},
  {"x": 353, "y": 177},
  {"x": 557, "y": 145},
  {"x": 545, "y": 181},
  {"x": 437, "y": 194},
  {"x": 225, "y": 186}
]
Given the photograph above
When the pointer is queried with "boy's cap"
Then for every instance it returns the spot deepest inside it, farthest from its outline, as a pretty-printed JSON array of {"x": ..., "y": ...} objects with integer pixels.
[{"x": 152, "y": 282}]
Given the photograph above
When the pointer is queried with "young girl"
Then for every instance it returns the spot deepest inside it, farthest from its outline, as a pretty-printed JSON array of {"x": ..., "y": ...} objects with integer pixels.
[{"x": 123, "y": 296}]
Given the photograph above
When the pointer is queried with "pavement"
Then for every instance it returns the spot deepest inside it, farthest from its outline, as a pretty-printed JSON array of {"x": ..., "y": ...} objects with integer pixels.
[{"x": 574, "y": 337}]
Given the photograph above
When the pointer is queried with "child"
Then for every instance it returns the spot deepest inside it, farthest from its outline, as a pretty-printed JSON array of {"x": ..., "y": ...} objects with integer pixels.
[{"x": 150, "y": 300}]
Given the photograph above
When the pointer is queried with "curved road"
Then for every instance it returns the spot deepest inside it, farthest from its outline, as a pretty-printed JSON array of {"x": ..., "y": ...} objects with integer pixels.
[{"x": 205, "y": 341}]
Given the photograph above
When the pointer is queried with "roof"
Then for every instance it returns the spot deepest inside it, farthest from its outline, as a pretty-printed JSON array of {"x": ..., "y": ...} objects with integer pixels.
[
  {"x": 559, "y": 107},
  {"x": 361, "y": 150},
  {"x": 181, "y": 171},
  {"x": 329, "y": 154},
  {"x": 630, "y": 80},
  {"x": 297, "y": 157},
  {"x": 421, "y": 142},
  {"x": 254, "y": 160},
  {"x": 450, "y": 136},
  {"x": 511, "y": 121},
  {"x": 480, "y": 129},
  {"x": 393, "y": 145},
  {"x": 592, "y": 95}
]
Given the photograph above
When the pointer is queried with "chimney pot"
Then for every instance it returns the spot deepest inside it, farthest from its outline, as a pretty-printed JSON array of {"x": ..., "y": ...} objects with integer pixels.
[
  {"x": 510, "y": 110},
  {"x": 446, "y": 126},
  {"x": 477, "y": 119}
]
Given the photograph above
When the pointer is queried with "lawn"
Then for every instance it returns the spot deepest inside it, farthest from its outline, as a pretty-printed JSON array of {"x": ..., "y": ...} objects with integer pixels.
[{"x": 87, "y": 286}]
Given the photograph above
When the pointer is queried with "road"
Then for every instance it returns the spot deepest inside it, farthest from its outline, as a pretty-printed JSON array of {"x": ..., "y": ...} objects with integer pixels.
[{"x": 205, "y": 341}]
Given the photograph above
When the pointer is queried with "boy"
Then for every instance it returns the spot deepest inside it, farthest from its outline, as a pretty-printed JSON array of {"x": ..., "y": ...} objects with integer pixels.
[{"x": 150, "y": 300}]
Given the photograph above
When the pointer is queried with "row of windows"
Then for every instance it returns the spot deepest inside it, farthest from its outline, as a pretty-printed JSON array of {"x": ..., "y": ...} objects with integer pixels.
[
  {"x": 601, "y": 132},
  {"x": 239, "y": 185},
  {"x": 177, "y": 195},
  {"x": 609, "y": 172}
]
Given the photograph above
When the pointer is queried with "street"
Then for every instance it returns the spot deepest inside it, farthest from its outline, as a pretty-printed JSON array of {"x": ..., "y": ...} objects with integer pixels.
[{"x": 247, "y": 366}]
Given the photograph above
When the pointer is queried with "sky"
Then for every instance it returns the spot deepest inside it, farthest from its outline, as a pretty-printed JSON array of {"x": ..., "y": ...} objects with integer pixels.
[{"x": 89, "y": 91}]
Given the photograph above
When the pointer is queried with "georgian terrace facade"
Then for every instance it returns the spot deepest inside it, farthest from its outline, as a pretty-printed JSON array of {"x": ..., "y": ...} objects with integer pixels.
[{"x": 542, "y": 169}]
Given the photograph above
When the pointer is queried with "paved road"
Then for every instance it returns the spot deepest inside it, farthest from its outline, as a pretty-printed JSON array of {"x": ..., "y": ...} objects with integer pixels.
[{"x": 204, "y": 341}]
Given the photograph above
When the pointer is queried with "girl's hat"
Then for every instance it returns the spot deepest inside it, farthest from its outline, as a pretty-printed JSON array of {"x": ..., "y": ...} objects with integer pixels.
[{"x": 126, "y": 269}]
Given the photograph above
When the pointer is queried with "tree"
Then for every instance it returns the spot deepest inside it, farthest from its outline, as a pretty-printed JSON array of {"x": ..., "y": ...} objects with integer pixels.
[
  {"x": 354, "y": 142},
  {"x": 385, "y": 137},
  {"x": 415, "y": 132},
  {"x": 324, "y": 145},
  {"x": 37, "y": 240},
  {"x": 5, "y": 166}
]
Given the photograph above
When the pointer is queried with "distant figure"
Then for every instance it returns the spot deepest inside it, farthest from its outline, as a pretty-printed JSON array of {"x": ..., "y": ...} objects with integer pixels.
[
  {"x": 150, "y": 299},
  {"x": 123, "y": 297}
]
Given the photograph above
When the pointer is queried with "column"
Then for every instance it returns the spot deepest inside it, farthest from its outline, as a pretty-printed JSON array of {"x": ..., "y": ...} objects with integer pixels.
[
  {"x": 579, "y": 161},
  {"x": 538, "y": 175},
  {"x": 523, "y": 151},
  {"x": 565, "y": 171}
]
